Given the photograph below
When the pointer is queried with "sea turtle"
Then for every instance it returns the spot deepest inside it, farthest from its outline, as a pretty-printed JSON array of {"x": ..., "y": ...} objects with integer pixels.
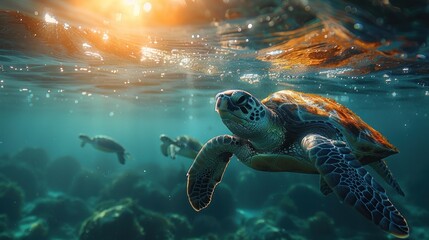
[
  {"x": 184, "y": 145},
  {"x": 291, "y": 131},
  {"x": 105, "y": 144}
]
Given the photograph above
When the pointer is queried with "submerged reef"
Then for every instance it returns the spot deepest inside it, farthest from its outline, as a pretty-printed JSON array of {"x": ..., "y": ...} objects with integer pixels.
[
  {"x": 126, "y": 220},
  {"x": 71, "y": 200},
  {"x": 11, "y": 201}
]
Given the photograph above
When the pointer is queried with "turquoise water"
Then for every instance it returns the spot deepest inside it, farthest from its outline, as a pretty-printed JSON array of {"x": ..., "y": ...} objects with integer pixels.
[{"x": 66, "y": 69}]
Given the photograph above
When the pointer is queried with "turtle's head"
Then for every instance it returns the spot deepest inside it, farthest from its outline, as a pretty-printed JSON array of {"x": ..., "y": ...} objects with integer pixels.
[
  {"x": 242, "y": 113},
  {"x": 85, "y": 139}
]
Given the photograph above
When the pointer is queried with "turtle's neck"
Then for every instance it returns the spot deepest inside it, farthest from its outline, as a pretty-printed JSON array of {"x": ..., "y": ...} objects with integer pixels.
[{"x": 270, "y": 136}]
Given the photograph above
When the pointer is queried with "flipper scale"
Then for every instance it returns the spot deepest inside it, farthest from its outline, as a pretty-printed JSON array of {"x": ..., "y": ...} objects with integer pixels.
[{"x": 353, "y": 184}]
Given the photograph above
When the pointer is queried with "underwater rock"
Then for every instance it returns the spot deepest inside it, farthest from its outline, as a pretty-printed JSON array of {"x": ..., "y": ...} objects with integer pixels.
[
  {"x": 117, "y": 222},
  {"x": 60, "y": 210},
  {"x": 182, "y": 227},
  {"x": 35, "y": 158},
  {"x": 179, "y": 202},
  {"x": 126, "y": 220},
  {"x": 321, "y": 226},
  {"x": 305, "y": 198},
  {"x": 86, "y": 184},
  {"x": 206, "y": 224},
  {"x": 11, "y": 201},
  {"x": 25, "y": 178},
  {"x": 135, "y": 185},
  {"x": 283, "y": 219},
  {"x": 124, "y": 186},
  {"x": 155, "y": 225},
  {"x": 261, "y": 229},
  {"x": 60, "y": 173},
  {"x": 32, "y": 228},
  {"x": 156, "y": 199}
]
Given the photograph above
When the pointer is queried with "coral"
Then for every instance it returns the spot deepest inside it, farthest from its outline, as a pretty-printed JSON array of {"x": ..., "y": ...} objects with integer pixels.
[
  {"x": 86, "y": 184},
  {"x": 11, "y": 200},
  {"x": 60, "y": 173}
]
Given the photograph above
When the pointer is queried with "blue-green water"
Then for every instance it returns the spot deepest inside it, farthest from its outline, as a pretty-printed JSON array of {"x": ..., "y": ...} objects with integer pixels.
[{"x": 65, "y": 70}]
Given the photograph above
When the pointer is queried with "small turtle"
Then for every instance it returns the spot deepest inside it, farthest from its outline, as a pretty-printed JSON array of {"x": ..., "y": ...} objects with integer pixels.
[
  {"x": 105, "y": 144},
  {"x": 297, "y": 132},
  {"x": 184, "y": 145}
]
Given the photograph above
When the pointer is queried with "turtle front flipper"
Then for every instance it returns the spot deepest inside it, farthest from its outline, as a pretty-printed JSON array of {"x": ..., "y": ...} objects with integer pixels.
[
  {"x": 166, "y": 143},
  {"x": 208, "y": 168},
  {"x": 352, "y": 183}
]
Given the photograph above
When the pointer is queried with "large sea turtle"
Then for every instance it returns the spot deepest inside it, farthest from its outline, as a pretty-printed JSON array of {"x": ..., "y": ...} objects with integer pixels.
[
  {"x": 184, "y": 145},
  {"x": 105, "y": 144},
  {"x": 297, "y": 132}
]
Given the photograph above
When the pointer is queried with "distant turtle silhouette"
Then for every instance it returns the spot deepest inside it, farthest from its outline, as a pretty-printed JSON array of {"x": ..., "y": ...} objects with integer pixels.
[
  {"x": 105, "y": 144},
  {"x": 184, "y": 145},
  {"x": 297, "y": 132}
]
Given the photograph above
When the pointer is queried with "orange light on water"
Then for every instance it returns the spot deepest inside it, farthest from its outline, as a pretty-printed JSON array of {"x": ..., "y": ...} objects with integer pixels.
[{"x": 136, "y": 13}]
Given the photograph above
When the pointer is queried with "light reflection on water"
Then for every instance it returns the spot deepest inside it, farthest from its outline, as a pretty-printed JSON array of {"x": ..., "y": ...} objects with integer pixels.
[{"x": 303, "y": 46}]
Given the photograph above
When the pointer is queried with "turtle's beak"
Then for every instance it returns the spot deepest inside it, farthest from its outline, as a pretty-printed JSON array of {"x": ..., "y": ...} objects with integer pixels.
[
  {"x": 218, "y": 102},
  {"x": 224, "y": 103}
]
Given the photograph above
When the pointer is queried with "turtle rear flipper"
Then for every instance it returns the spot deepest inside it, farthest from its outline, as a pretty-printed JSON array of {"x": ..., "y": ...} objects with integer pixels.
[
  {"x": 352, "y": 183},
  {"x": 122, "y": 156},
  {"x": 208, "y": 169},
  {"x": 381, "y": 168}
]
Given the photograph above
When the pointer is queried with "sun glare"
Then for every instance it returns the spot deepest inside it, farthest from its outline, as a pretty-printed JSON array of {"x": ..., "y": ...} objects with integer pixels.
[
  {"x": 50, "y": 19},
  {"x": 135, "y": 6},
  {"x": 147, "y": 6}
]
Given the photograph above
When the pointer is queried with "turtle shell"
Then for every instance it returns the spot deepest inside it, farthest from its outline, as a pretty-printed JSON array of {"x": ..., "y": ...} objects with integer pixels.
[
  {"x": 298, "y": 110},
  {"x": 107, "y": 144}
]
